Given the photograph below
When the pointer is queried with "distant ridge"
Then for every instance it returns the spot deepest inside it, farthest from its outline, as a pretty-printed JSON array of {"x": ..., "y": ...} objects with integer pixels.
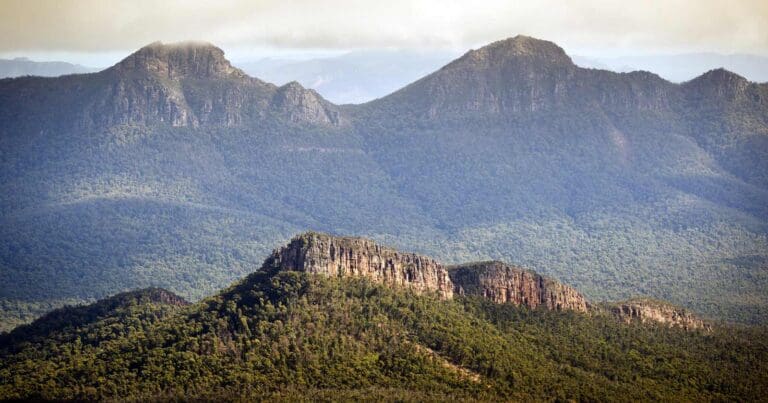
[{"x": 22, "y": 66}]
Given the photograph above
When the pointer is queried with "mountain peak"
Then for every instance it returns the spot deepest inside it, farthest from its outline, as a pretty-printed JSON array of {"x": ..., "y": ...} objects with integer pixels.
[
  {"x": 189, "y": 59},
  {"x": 517, "y": 47},
  {"x": 507, "y": 77},
  {"x": 720, "y": 76},
  {"x": 718, "y": 84},
  {"x": 722, "y": 73}
]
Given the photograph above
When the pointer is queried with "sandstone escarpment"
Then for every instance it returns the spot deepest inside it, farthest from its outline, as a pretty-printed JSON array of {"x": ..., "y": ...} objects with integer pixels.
[
  {"x": 505, "y": 284},
  {"x": 646, "y": 310},
  {"x": 498, "y": 282},
  {"x": 357, "y": 257}
]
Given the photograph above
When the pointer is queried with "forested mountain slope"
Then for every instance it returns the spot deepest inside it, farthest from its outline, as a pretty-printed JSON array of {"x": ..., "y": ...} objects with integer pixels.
[
  {"x": 175, "y": 169},
  {"x": 289, "y": 331}
]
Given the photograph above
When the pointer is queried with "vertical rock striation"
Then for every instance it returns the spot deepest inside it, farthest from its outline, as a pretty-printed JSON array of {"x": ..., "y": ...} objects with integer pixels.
[
  {"x": 317, "y": 253},
  {"x": 505, "y": 284},
  {"x": 647, "y": 310},
  {"x": 499, "y": 282}
]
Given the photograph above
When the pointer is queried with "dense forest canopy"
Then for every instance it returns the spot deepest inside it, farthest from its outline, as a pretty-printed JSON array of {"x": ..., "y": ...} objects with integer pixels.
[{"x": 292, "y": 335}]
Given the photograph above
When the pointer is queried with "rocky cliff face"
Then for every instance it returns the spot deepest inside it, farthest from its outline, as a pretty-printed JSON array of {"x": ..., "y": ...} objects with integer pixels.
[
  {"x": 501, "y": 283},
  {"x": 505, "y": 284},
  {"x": 357, "y": 257},
  {"x": 644, "y": 310}
]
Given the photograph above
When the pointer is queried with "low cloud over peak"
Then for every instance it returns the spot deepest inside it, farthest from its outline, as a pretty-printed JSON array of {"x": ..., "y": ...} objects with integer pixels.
[{"x": 101, "y": 25}]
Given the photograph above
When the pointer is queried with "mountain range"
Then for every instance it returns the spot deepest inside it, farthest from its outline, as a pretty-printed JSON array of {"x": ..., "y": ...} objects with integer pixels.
[
  {"x": 684, "y": 66},
  {"x": 364, "y": 75},
  {"x": 175, "y": 169}
]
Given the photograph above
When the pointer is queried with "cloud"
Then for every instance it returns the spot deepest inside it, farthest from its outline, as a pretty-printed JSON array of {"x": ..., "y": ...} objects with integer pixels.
[{"x": 103, "y": 25}]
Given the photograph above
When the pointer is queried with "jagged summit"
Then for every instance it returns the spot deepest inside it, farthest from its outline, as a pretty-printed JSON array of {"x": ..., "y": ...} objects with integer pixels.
[
  {"x": 518, "y": 47},
  {"x": 182, "y": 59}
]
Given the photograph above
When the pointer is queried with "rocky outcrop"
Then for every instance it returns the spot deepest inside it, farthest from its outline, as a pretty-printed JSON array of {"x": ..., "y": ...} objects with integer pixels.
[
  {"x": 499, "y": 282},
  {"x": 505, "y": 284},
  {"x": 303, "y": 105},
  {"x": 646, "y": 310},
  {"x": 317, "y": 253}
]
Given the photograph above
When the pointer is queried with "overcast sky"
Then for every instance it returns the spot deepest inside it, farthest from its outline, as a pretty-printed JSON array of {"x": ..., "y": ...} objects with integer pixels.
[{"x": 102, "y": 31}]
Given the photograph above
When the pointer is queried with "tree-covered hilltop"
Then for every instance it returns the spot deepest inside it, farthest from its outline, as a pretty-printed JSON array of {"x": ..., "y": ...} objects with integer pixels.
[
  {"x": 295, "y": 336},
  {"x": 174, "y": 169},
  {"x": 122, "y": 312}
]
